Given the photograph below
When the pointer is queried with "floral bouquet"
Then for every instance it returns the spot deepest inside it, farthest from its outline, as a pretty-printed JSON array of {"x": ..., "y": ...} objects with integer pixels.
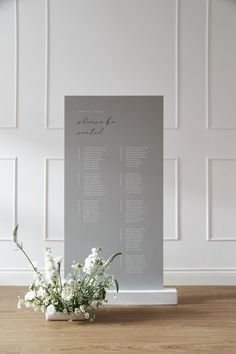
[{"x": 75, "y": 297}]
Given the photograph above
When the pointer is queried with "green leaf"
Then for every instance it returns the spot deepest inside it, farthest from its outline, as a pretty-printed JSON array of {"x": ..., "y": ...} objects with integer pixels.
[
  {"x": 117, "y": 285},
  {"x": 15, "y": 230},
  {"x": 111, "y": 258},
  {"x": 15, "y": 233}
]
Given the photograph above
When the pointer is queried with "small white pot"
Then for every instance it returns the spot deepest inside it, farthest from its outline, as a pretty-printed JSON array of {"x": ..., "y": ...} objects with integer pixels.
[{"x": 60, "y": 316}]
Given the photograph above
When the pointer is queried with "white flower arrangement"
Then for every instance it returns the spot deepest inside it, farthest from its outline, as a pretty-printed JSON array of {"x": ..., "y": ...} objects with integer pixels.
[{"x": 79, "y": 294}]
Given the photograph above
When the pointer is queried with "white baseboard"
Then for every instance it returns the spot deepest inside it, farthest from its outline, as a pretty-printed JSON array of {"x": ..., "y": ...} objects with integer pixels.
[
  {"x": 191, "y": 276},
  {"x": 16, "y": 276},
  {"x": 173, "y": 277}
]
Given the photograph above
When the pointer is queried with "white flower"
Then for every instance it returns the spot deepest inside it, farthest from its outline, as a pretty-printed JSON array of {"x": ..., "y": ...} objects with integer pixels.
[
  {"x": 86, "y": 315},
  {"x": 30, "y": 295},
  {"x": 51, "y": 310},
  {"x": 67, "y": 294},
  {"x": 71, "y": 281},
  {"x": 51, "y": 266},
  {"x": 41, "y": 292},
  {"x": 91, "y": 261},
  {"x": 76, "y": 310},
  {"x": 82, "y": 308},
  {"x": 20, "y": 303}
]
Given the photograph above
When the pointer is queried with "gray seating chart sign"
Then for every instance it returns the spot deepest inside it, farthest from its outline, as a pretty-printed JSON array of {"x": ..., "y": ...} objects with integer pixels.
[{"x": 114, "y": 185}]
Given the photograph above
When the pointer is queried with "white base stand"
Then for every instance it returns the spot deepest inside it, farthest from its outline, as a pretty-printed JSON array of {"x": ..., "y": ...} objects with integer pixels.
[{"x": 163, "y": 296}]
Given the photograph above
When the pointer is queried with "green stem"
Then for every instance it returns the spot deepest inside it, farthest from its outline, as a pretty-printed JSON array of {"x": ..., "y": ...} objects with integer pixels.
[
  {"x": 21, "y": 248},
  {"x": 59, "y": 273}
]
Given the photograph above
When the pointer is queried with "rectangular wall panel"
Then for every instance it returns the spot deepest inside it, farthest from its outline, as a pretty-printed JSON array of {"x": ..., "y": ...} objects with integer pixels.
[
  {"x": 221, "y": 199},
  {"x": 8, "y": 197},
  {"x": 138, "y": 55},
  {"x": 221, "y": 66},
  {"x": 171, "y": 208},
  {"x": 8, "y": 63},
  {"x": 54, "y": 199}
]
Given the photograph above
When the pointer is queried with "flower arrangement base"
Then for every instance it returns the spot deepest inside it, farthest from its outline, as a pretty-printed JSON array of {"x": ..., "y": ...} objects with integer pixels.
[{"x": 60, "y": 316}]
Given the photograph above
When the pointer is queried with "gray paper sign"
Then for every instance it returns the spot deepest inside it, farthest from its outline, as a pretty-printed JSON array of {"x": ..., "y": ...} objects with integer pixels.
[{"x": 114, "y": 185}]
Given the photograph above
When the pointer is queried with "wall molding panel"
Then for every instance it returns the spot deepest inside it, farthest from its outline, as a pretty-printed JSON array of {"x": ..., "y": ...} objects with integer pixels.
[
  {"x": 7, "y": 235},
  {"x": 209, "y": 122},
  {"x": 46, "y": 62},
  {"x": 176, "y": 235},
  {"x": 209, "y": 175},
  {"x": 12, "y": 118},
  {"x": 176, "y": 114},
  {"x": 47, "y": 68},
  {"x": 207, "y": 64},
  {"x": 59, "y": 234}
]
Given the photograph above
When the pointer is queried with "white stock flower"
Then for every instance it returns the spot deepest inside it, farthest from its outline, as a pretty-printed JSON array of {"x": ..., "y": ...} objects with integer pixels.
[
  {"x": 30, "y": 295},
  {"x": 51, "y": 266},
  {"x": 51, "y": 310},
  {"x": 90, "y": 262}
]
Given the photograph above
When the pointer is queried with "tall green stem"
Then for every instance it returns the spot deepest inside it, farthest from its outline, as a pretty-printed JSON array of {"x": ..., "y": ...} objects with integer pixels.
[{"x": 21, "y": 248}]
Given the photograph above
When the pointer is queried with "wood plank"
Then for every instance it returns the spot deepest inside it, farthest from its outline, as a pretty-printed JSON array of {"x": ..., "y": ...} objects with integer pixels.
[{"x": 204, "y": 322}]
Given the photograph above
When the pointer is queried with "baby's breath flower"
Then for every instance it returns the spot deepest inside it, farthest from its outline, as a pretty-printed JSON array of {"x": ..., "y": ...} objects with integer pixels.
[
  {"x": 82, "y": 308},
  {"x": 79, "y": 293}
]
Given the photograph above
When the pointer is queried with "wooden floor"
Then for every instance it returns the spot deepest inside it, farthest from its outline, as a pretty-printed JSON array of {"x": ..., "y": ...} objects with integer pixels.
[{"x": 203, "y": 322}]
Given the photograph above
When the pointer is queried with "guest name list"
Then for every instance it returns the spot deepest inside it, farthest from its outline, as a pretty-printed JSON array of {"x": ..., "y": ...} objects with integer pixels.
[{"x": 113, "y": 184}]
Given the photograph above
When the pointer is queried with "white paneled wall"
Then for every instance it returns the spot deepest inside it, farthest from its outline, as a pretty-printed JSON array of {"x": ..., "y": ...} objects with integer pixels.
[
  {"x": 54, "y": 199},
  {"x": 182, "y": 49}
]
